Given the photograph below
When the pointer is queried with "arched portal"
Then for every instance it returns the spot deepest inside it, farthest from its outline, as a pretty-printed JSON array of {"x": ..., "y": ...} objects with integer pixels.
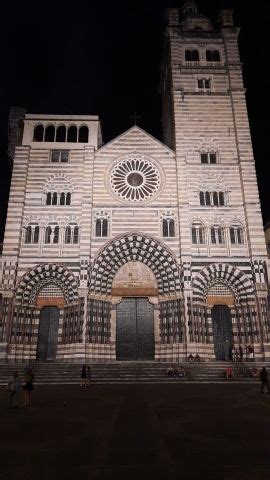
[
  {"x": 46, "y": 299},
  {"x": 141, "y": 278},
  {"x": 227, "y": 295},
  {"x": 134, "y": 283},
  {"x": 135, "y": 247}
]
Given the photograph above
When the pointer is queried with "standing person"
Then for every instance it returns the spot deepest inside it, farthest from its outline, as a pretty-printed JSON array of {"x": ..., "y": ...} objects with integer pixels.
[
  {"x": 89, "y": 375},
  {"x": 251, "y": 352},
  {"x": 28, "y": 387},
  {"x": 14, "y": 386},
  {"x": 264, "y": 380},
  {"x": 241, "y": 354},
  {"x": 83, "y": 376}
]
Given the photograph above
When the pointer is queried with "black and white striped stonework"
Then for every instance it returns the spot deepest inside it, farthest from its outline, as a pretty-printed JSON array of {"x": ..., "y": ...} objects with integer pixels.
[
  {"x": 37, "y": 277},
  {"x": 234, "y": 278},
  {"x": 135, "y": 247},
  {"x": 98, "y": 196}
]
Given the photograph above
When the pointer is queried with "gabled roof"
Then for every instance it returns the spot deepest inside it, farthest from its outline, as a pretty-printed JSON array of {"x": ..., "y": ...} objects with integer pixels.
[{"x": 132, "y": 135}]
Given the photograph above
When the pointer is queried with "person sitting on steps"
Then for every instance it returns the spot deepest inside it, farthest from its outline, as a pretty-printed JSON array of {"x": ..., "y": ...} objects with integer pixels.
[
  {"x": 190, "y": 358},
  {"x": 229, "y": 373},
  {"x": 197, "y": 358}
]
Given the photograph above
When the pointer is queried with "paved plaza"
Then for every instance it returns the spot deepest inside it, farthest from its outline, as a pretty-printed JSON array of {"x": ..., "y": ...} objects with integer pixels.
[{"x": 186, "y": 431}]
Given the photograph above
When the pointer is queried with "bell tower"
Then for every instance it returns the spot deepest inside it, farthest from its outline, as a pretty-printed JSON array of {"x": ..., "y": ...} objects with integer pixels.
[{"x": 205, "y": 121}]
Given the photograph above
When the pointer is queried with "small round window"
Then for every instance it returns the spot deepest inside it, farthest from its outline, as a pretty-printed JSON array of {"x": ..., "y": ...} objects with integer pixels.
[{"x": 135, "y": 179}]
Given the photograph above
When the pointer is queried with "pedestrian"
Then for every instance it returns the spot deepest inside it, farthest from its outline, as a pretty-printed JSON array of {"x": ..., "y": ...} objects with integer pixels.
[
  {"x": 229, "y": 373},
  {"x": 251, "y": 353},
  {"x": 89, "y": 375},
  {"x": 264, "y": 380},
  {"x": 83, "y": 376},
  {"x": 14, "y": 386},
  {"x": 28, "y": 387},
  {"x": 241, "y": 354},
  {"x": 190, "y": 358}
]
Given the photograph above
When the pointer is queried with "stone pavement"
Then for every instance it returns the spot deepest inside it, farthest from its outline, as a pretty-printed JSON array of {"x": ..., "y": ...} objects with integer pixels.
[{"x": 116, "y": 432}]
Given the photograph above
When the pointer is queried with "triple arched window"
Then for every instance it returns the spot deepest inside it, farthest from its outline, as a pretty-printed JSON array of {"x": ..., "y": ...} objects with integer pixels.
[
  {"x": 61, "y": 133},
  {"x": 216, "y": 234},
  {"x": 58, "y": 198},
  {"x": 53, "y": 234},
  {"x": 213, "y": 199}
]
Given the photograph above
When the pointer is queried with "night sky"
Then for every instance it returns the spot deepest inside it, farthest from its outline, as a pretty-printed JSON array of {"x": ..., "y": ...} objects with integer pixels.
[{"x": 103, "y": 58}]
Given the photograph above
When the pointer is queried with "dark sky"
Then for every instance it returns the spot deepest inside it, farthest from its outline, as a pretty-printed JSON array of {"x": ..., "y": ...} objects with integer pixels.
[{"x": 104, "y": 58}]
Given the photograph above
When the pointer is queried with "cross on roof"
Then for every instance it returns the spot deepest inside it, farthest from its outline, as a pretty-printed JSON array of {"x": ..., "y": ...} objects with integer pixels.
[{"x": 135, "y": 117}]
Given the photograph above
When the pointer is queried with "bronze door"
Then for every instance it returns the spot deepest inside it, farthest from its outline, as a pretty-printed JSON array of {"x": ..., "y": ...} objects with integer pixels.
[
  {"x": 48, "y": 333},
  {"x": 222, "y": 331},
  {"x": 135, "y": 330}
]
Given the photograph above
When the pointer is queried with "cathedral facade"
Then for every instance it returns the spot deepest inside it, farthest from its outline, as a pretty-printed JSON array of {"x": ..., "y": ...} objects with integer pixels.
[{"x": 138, "y": 249}]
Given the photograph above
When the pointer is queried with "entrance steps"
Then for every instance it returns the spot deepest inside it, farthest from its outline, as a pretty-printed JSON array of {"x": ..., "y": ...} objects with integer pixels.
[{"x": 56, "y": 373}]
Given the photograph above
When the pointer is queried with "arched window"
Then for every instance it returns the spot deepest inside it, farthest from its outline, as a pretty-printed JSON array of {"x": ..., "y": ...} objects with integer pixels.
[
  {"x": 215, "y": 199},
  {"x": 72, "y": 134},
  {"x": 61, "y": 134},
  {"x": 54, "y": 198},
  {"x": 198, "y": 233},
  {"x": 221, "y": 199},
  {"x": 83, "y": 134},
  {"x": 220, "y": 235},
  {"x": 68, "y": 198},
  {"x": 38, "y": 133},
  {"x": 62, "y": 198},
  {"x": 49, "y": 133},
  {"x": 101, "y": 227},
  {"x": 98, "y": 227},
  {"x": 28, "y": 234},
  {"x": 207, "y": 198},
  {"x": 48, "y": 234},
  {"x": 68, "y": 235},
  {"x": 212, "y": 56},
  {"x": 202, "y": 199},
  {"x": 36, "y": 234},
  {"x": 171, "y": 228},
  {"x": 168, "y": 228},
  {"x": 192, "y": 56},
  {"x": 56, "y": 235},
  {"x": 217, "y": 234},
  {"x": 212, "y": 157},
  {"x": 236, "y": 234},
  {"x": 49, "y": 198},
  {"x": 76, "y": 235},
  {"x": 208, "y": 157},
  {"x": 204, "y": 83}
]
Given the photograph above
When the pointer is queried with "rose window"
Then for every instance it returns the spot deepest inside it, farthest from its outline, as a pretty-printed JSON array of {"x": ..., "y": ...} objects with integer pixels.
[{"x": 135, "y": 179}]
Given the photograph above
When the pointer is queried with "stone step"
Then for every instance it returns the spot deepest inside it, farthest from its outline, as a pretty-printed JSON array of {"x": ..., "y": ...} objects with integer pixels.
[{"x": 126, "y": 372}]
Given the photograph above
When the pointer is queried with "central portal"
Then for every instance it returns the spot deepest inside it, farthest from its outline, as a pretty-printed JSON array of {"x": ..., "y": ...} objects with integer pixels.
[{"x": 135, "y": 329}]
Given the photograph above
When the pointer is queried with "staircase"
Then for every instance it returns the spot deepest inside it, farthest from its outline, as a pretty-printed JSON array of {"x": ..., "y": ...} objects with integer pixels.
[{"x": 56, "y": 373}]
